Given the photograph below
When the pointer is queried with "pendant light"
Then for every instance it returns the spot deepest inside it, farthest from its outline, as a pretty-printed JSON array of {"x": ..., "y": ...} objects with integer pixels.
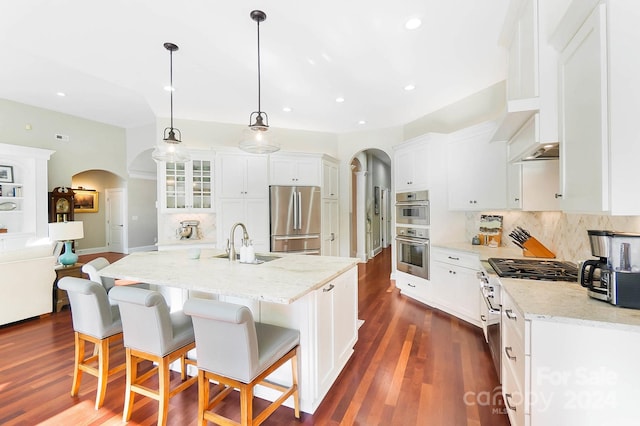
[
  {"x": 170, "y": 149},
  {"x": 257, "y": 138}
]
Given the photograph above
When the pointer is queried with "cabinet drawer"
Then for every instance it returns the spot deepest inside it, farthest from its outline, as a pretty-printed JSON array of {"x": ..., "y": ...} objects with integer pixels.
[
  {"x": 513, "y": 319},
  {"x": 453, "y": 257},
  {"x": 514, "y": 397},
  {"x": 513, "y": 356}
]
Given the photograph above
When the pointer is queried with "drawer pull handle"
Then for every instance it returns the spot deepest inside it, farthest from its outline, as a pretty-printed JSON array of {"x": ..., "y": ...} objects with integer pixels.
[
  {"x": 509, "y": 313},
  {"x": 507, "y": 400},
  {"x": 507, "y": 350},
  {"x": 483, "y": 318},
  {"x": 453, "y": 258},
  {"x": 328, "y": 289},
  {"x": 411, "y": 285}
]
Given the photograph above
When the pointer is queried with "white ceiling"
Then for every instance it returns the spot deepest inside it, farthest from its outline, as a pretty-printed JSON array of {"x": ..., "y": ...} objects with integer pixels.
[{"x": 108, "y": 57}]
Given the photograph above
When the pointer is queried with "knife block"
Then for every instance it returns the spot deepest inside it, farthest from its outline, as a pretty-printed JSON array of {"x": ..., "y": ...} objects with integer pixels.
[{"x": 534, "y": 248}]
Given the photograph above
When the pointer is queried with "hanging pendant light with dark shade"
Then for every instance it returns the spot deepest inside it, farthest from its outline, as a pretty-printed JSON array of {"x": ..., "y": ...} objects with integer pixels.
[
  {"x": 257, "y": 139},
  {"x": 171, "y": 149}
]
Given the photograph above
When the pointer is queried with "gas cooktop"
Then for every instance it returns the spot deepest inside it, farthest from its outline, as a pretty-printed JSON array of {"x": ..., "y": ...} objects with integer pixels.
[{"x": 535, "y": 269}]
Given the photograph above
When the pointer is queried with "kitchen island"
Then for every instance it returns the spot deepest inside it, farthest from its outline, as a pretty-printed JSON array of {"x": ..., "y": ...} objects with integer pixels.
[{"x": 317, "y": 295}]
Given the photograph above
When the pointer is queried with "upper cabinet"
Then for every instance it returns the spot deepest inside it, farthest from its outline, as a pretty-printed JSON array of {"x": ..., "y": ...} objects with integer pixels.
[
  {"x": 295, "y": 169},
  {"x": 476, "y": 169},
  {"x": 410, "y": 163},
  {"x": 242, "y": 176},
  {"x": 187, "y": 186},
  {"x": 599, "y": 104},
  {"x": 23, "y": 196},
  {"x": 532, "y": 82}
]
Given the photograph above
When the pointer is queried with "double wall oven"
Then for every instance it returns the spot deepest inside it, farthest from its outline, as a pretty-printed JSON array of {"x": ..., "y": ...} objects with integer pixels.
[{"x": 412, "y": 233}]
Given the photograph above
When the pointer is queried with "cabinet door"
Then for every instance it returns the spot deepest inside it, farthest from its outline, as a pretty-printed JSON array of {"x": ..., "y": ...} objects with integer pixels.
[
  {"x": 283, "y": 171},
  {"x": 514, "y": 186},
  {"x": 308, "y": 172},
  {"x": 330, "y": 219},
  {"x": 477, "y": 172},
  {"x": 232, "y": 172},
  {"x": 345, "y": 312},
  {"x": 201, "y": 185},
  {"x": 174, "y": 188},
  {"x": 325, "y": 331},
  {"x": 256, "y": 185},
  {"x": 230, "y": 211},
  {"x": 329, "y": 180},
  {"x": 583, "y": 107},
  {"x": 540, "y": 180},
  {"x": 523, "y": 54},
  {"x": 411, "y": 169},
  {"x": 256, "y": 218}
]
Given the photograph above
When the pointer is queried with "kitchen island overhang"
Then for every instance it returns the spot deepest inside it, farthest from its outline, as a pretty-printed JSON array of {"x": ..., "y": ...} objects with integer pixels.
[{"x": 317, "y": 295}]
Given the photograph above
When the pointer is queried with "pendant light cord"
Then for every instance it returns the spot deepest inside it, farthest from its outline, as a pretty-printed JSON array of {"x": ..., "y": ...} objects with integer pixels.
[
  {"x": 171, "y": 84},
  {"x": 259, "y": 108}
]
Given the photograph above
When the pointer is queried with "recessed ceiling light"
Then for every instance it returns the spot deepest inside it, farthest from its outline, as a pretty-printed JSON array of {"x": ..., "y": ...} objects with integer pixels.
[
  {"x": 409, "y": 87},
  {"x": 61, "y": 94},
  {"x": 413, "y": 23},
  {"x": 286, "y": 109},
  {"x": 362, "y": 122},
  {"x": 169, "y": 88},
  {"x": 311, "y": 61},
  {"x": 339, "y": 100}
]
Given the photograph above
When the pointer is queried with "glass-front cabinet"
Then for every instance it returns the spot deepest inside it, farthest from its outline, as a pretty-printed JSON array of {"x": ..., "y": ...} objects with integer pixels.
[{"x": 187, "y": 186}]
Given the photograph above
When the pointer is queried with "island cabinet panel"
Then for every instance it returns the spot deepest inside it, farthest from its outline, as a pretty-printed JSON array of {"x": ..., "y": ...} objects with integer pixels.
[{"x": 327, "y": 320}]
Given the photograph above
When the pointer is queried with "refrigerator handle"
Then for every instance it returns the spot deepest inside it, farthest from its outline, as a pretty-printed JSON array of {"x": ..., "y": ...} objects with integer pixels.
[
  {"x": 295, "y": 210},
  {"x": 299, "y": 210}
]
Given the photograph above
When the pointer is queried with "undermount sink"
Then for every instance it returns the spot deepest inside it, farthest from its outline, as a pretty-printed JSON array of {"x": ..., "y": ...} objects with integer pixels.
[{"x": 260, "y": 258}]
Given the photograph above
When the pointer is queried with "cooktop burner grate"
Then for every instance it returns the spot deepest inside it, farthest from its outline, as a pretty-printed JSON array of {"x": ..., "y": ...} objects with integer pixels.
[{"x": 535, "y": 269}]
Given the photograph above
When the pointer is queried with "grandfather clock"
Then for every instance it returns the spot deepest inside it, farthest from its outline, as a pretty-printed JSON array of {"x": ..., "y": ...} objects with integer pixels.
[{"x": 61, "y": 204}]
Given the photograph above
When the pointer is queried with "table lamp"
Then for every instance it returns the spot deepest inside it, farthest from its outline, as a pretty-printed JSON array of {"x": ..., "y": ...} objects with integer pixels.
[{"x": 67, "y": 232}]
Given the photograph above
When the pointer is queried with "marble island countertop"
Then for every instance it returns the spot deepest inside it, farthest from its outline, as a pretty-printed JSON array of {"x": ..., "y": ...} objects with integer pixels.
[{"x": 283, "y": 280}]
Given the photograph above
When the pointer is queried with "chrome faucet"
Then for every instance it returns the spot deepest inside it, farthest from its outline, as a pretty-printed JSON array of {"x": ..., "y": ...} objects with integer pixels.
[{"x": 231, "y": 247}]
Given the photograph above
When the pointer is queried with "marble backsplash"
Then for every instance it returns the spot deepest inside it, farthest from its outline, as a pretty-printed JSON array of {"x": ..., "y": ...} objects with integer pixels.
[{"x": 562, "y": 233}]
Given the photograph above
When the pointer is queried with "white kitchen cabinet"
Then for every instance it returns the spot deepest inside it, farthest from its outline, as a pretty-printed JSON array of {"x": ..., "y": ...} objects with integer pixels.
[
  {"x": 187, "y": 187},
  {"x": 599, "y": 100},
  {"x": 328, "y": 322},
  {"x": 243, "y": 196},
  {"x": 542, "y": 385},
  {"x": 533, "y": 185},
  {"x": 329, "y": 179},
  {"x": 452, "y": 287},
  {"x": 410, "y": 163},
  {"x": 532, "y": 81},
  {"x": 330, "y": 227},
  {"x": 23, "y": 201},
  {"x": 298, "y": 169},
  {"x": 243, "y": 176},
  {"x": 476, "y": 170},
  {"x": 455, "y": 283}
]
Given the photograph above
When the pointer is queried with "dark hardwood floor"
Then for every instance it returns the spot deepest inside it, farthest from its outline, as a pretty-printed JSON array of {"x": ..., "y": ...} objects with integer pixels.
[{"x": 412, "y": 366}]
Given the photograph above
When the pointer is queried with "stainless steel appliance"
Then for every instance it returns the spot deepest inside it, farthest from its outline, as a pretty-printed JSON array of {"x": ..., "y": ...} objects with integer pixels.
[
  {"x": 613, "y": 277},
  {"x": 412, "y": 249},
  {"x": 535, "y": 269},
  {"x": 295, "y": 219},
  {"x": 412, "y": 208},
  {"x": 490, "y": 313}
]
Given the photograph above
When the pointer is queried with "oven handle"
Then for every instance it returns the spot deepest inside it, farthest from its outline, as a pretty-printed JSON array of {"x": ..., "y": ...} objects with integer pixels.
[
  {"x": 412, "y": 203},
  {"x": 490, "y": 307},
  {"x": 415, "y": 242}
]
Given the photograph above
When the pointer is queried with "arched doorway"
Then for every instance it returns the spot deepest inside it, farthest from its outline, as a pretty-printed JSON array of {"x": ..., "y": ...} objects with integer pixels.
[{"x": 370, "y": 188}]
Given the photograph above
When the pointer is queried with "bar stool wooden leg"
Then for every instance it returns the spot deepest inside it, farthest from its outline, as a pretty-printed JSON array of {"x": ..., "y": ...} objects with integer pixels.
[
  {"x": 103, "y": 370},
  {"x": 163, "y": 397},
  {"x": 246, "y": 404},
  {"x": 79, "y": 356},
  {"x": 294, "y": 375},
  {"x": 203, "y": 397},
  {"x": 132, "y": 373}
]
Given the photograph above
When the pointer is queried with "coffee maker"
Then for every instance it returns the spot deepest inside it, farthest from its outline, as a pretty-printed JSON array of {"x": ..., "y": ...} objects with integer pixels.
[{"x": 613, "y": 277}]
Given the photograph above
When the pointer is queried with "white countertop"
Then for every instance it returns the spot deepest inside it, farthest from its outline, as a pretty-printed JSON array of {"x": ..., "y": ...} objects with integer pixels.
[
  {"x": 282, "y": 280},
  {"x": 555, "y": 300}
]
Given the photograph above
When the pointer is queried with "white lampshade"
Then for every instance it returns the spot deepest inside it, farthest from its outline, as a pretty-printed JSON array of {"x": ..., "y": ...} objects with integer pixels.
[{"x": 66, "y": 231}]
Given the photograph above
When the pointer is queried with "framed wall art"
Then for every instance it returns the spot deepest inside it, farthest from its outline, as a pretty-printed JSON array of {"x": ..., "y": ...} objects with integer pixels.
[
  {"x": 85, "y": 201},
  {"x": 6, "y": 174}
]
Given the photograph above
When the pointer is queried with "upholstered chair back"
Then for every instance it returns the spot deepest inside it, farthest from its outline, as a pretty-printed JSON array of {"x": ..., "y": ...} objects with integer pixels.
[{"x": 92, "y": 267}]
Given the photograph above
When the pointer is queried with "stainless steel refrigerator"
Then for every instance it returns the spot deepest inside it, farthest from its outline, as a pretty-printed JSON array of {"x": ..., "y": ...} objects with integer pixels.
[{"x": 295, "y": 219}]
